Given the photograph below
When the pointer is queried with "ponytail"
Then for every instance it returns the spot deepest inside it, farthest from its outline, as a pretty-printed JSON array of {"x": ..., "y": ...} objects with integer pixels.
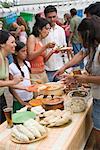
[{"x": 16, "y": 62}]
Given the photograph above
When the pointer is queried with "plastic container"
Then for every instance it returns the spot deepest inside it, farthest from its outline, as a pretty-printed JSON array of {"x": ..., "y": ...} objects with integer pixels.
[
  {"x": 75, "y": 104},
  {"x": 76, "y": 70}
]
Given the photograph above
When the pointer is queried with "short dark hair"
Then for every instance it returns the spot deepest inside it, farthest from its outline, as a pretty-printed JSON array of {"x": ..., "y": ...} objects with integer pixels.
[
  {"x": 73, "y": 11},
  {"x": 4, "y": 35},
  {"x": 50, "y": 8},
  {"x": 93, "y": 9},
  {"x": 66, "y": 15},
  {"x": 39, "y": 24}
]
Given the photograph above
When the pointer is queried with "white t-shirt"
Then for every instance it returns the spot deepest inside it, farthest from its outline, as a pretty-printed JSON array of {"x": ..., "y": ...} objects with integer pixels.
[
  {"x": 56, "y": 35},
  {"x": 13, "y": 69}
]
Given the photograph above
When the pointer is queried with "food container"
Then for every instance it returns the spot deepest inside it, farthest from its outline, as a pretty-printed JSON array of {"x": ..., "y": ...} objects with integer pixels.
[
  {"x": 55, "y": 89},
  {"x": 75, "y": 104},
  {"x": 76, "y": 70},
  {"x": 67, "y": 90},
  {"x": 79, "y": 93},
  {"x": 57, "y": 103},
  {"x": 56, "y": 92}
]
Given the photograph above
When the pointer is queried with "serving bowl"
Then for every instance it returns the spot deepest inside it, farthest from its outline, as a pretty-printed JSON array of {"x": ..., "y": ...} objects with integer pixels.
[
  {"x": 75, "y": 104},
  {"x": 53, "y": 88},
  {"x": 56, "y": 103},
  {"x": 79, "y": 93}
]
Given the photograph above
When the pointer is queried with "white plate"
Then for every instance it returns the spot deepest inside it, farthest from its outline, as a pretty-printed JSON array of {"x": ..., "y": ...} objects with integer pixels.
[{"x": 65, "y": 48}]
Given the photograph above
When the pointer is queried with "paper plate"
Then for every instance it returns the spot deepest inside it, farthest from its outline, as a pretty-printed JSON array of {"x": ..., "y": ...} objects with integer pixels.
[
  {"x": 36, "y": 88},
  {"x": 33, "y": 88},
  {"x": 21, "y": 117},
  {"x": 65, "y": 48}
]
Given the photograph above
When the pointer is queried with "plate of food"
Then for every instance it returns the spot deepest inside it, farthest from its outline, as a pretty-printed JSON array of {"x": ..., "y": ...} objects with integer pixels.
[
  {"x": 62, "y": 48},
  {"x": 28, "y": 142},
  {"x": 28, "y": 133},
  {"x": 37, "y": 87},
  {"x": 36, "y": 102},
  {"x": 56, "y": 118},
  {"x": 33, "y": 88},
  {"x": 65, "y": 48}
]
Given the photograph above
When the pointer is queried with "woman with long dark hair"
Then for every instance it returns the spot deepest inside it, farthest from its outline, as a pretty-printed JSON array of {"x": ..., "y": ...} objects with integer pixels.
[
  {"x": 89, "y": 32},
  {"x": 20, "y": 67},
  {"x": 7, "y": 46},
  {"x": 37, "y": 51}
]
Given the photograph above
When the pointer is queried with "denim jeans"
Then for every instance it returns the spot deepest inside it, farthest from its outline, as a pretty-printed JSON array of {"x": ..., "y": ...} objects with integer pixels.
[
  {"x": 96, "y": 113},
  {"x": 50, "y": 76}
]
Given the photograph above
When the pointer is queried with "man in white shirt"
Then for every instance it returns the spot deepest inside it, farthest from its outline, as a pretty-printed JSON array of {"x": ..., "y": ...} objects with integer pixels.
[{"x": 57, "y": 35}]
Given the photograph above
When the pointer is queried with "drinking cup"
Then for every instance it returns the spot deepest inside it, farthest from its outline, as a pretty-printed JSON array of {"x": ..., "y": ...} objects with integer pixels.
[{"x": 8, "y": 115}]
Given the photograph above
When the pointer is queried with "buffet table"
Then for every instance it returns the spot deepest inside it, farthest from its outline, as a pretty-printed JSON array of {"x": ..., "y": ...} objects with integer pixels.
[{"x": 68, "y": 137}]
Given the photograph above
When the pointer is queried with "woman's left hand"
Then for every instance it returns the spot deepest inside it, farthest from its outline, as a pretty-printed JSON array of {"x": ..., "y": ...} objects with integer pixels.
[{"x": 67, "y": 79}]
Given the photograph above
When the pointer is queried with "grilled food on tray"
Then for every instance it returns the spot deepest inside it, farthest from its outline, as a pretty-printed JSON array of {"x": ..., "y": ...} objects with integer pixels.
[
  {"x": 30, "y": 131},
  {"x": 56, "y": 117}
]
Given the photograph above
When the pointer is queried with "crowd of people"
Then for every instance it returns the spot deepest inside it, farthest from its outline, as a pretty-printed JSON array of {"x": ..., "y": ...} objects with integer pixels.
[{"x": 34, "y": 56}]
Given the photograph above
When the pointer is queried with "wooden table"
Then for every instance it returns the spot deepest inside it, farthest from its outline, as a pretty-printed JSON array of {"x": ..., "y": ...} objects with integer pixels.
[{"x": 69, "y": 137}]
